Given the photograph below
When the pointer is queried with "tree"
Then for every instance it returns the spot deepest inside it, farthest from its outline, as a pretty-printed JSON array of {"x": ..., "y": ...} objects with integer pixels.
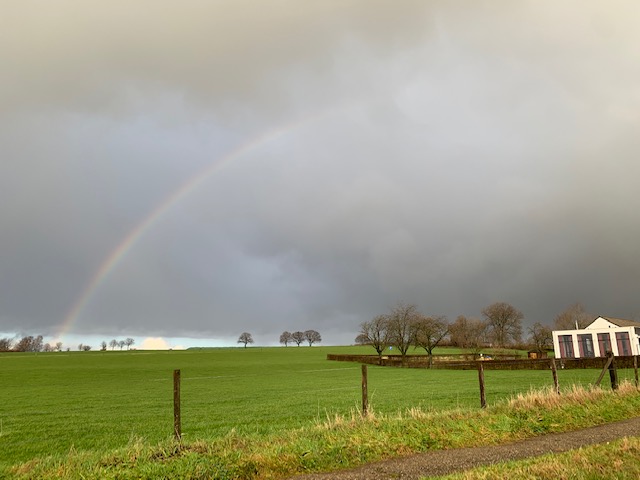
[
  {"x": 121, "y": 344},
  {"x": 128, "y": 342},
  {"x": 5, "y": 344},
  {"x": 245, "y": 337},
  {"x": 58, "y": 346},
  {"x": 298, "y": 337},
  {"x": 285, "y": 338},
  {"x": 86, "y": 348},
  {"x": 573, "y": 317},
  {"x": 29, "y": 344},
  {"x": 374, "y": 333},
  {"x": 80, "y": 347},
  {"x": 468, "y": 333},
  {"x": 47, "y": 348},
  {"x": 505, "y": 322},
  {"x": 312, "y": 337},
  {"x": 103, "y": 346},
  {"x": 401, "y": 327},
  {"x": 429, "y": 332},
  {"x": 113, "y": 344},
  {"x": 541, "y": 337}
]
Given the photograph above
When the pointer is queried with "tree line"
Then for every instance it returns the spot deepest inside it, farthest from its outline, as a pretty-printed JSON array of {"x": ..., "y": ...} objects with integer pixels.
[
  {"x": 309, "y": 336},
  {"x": 500, "y": 326}
]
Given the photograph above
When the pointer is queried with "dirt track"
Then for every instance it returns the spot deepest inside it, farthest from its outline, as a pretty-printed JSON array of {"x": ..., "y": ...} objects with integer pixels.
[{"x": 442, "y": 462}]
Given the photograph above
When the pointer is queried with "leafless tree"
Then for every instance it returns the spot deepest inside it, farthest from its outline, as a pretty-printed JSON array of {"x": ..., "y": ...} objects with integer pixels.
[
  {"x": 113, "y": 344},
  {"x": 375, "y": 333},
  {"x": 29, "y": 344},
  {"x": 311, "y": 336},
  {"x": 103, "y": 346},
  {"x": 298, "y": 337},
  {"x": 47, "y": 348},
  {"x": 468, "y": 333},
  {"x": 401, "y": 327},
  {"x": 58, "y": 346},
  {"x": 505, "y": 322},
  {"x": 5, "y": 344},
  {"x": 128, "y": 342},
  {"x": 121, "y": 344},
  {"x": 245, "y": 338},
  {"x": 285, "y": 338},
  {"x": 429, "y": 332},
  {"x": 80, "y": 347},
  {"x": 540, "y": 336},
  {"x": 86, "y": 348},
  {"x": 572, "y": 317}
]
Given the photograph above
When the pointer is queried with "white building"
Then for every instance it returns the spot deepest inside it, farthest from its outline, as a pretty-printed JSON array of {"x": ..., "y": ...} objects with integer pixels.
[{"x": 604, "y": 334}]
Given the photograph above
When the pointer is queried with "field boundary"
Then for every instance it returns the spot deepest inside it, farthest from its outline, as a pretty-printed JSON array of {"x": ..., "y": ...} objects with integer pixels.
[{"x": 470, "y": 362}]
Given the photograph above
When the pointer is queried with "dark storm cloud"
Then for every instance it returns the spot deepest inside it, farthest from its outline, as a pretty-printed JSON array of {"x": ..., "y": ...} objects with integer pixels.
[{"x": 449, "y": 155}]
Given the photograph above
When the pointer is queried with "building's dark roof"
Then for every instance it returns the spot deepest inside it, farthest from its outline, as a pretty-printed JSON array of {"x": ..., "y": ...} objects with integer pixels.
[{"x": 621, "y": 322}]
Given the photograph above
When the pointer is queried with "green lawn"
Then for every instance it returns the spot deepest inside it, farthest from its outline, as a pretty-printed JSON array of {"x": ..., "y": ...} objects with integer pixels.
[{"x": 52, "y": 403}]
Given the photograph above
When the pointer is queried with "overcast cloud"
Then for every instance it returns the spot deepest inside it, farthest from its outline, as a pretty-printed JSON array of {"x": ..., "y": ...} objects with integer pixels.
[{"x": 447, "y": 154}]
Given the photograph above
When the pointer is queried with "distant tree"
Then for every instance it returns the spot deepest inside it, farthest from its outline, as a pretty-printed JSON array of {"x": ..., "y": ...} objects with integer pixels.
[
  {"x": 505, "y": 323},
  {"x": 401, "y": 327},
  {"x": 245, "y": 338},
  {"x": 285, "y": 338},
  {"x": 113, "y": 344},
  {"x": 375, "y": 333},
  {"x": 103, "y": 346},
  {"x": 29, "y": 344},
  {"x": 121, "y": 344},
  {"x": 128, "y": 342},
  {"x": 429, "y": 332},
  {"x": 58, "y": 346},
  {"x": 540, "y": 336},
  {"x": 298, "y": 337},
  {"x": 5, "y": 344},
  {"x": 468, "y": 333},
  {"x": 311, "y": 336},
  {"x": 86, "y": 348},
  {"x": 80, "y": 347},
  {"x": 573, "y": 317},
  {"x": 47, "y": 348}
]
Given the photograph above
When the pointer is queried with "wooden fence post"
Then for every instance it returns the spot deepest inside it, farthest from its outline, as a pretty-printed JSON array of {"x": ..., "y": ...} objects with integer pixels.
[
  {"x": 604, "y": 369},
  {"x": 177, "y": 422},
  {"x": 554, "y": 372},
  {"x": 483, "y": 399},
  {"x": 365, "y": 394},
  {"x": 613, "y": 374},
  {"x": 635, "y": 368}
]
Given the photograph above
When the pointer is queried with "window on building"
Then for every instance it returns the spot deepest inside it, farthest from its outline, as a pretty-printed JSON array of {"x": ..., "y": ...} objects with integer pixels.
[
  {"x": 566, "y": 346},
  {"x": 585, "y": 345},
  {"x": 604, "y": 343},
  {"x": 624, "y": 346}
]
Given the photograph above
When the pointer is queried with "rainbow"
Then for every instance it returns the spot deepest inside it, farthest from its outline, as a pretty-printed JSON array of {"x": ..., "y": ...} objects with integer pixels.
[{"x": 116, "y": 256}]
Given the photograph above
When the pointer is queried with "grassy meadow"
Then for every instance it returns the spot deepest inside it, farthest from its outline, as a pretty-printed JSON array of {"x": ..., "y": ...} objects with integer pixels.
[{"x": 54, "y": 403}]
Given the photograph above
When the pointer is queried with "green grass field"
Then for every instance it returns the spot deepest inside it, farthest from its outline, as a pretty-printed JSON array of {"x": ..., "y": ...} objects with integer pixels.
[{"x": 96, "y": 401}]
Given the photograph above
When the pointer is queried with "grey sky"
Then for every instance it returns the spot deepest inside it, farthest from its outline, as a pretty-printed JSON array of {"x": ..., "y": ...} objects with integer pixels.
[{"x": 447, "y": 154}]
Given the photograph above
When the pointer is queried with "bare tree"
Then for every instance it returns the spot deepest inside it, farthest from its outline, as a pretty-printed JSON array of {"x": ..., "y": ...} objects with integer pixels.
[
  {"x": 58, "y": 346},
  {"x": 505, "y": 322},
  {"x": 311, "y": 336},
  {"x": 245, "y": 337},
  {"x": 298, "y": 337},
  {"x": 128, "y": 342},
  {"x": 573, "y": 317},
  {"x": 401, "y": 327},
  {"x": 5, "y": 344},
  {"x": 121, "y": 344},
  {"x": 113, "y": 344},
  {"x": 429, "y": 332},
  {"x": 468, "y": 333},
  {"x": 47, "y": 348},
  {"x": 375, "y": 333},
  {"x": 103, "y": 346},
  {"x": 540, "y": 336},
  {"x": 86, "y": 348},
  {"x": 29, "y": 344},
  {"x": 285, "y": 338},
  {"x": 80, "y": 347}
]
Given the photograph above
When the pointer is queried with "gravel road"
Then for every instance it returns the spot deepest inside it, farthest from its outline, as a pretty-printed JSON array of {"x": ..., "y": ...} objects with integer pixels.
[{"x": 442, "y": 462}]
